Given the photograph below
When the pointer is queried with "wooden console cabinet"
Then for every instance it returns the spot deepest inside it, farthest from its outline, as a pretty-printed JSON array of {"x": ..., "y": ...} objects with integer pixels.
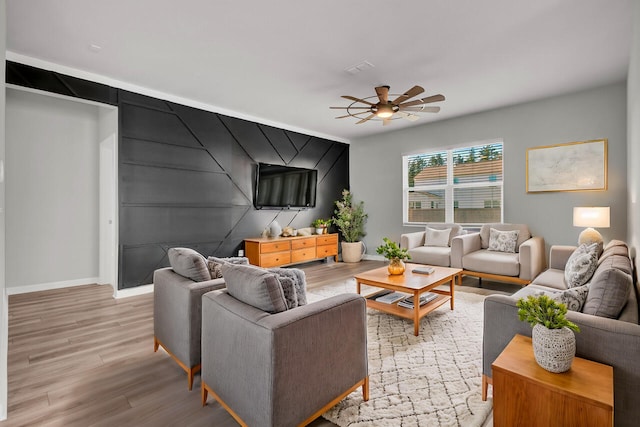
[
  {"x": 524, "y": 394},
  {"x": 278, "y": 251}
]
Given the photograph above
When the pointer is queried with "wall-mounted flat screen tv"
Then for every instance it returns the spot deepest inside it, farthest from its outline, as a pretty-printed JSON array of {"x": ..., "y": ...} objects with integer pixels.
[{"x": 285, "y": 187}]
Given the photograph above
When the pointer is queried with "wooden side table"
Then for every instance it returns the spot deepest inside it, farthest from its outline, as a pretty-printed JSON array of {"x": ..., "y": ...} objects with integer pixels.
[{"x": 524, "y": 394}]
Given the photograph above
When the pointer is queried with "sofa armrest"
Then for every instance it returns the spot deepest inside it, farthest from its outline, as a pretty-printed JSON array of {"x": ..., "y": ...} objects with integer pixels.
[
  {"x": 559, "y": 255},
  {"x": 412, "y": 240},
  {"x": 462, "y": 245},
  {"x": 532, "y": 260},
  {"x": 286, "y": 365}
]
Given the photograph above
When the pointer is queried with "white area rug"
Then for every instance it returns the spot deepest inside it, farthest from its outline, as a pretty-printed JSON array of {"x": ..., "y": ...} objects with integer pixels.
[{"x": 430, "y": 380}]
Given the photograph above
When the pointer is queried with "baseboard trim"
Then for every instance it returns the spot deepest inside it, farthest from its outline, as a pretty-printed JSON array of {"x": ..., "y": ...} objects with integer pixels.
[
  {"x": 131, "y": 292},
  {"x": 14, "y": 290}
]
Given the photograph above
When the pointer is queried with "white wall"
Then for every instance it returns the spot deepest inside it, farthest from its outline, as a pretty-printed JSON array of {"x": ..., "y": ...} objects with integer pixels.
[
  {"x": 376, "y": 164},
  {"x": 52, "y": 192},
  {"x": 633, "y": 130},
  {"x": 4, "y": 309}
]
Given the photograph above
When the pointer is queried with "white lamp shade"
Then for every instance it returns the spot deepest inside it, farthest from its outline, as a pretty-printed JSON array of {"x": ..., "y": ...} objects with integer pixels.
[{"x": 591, "y": 217}]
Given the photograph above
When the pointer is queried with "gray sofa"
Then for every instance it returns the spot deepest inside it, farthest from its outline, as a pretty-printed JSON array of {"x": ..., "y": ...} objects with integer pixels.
[
  {"x": 422, "y": 251},
  {"x": 272, "y": 362},
  {"x": 612, "y": 341},
  {"x": 471, "y": 253}
]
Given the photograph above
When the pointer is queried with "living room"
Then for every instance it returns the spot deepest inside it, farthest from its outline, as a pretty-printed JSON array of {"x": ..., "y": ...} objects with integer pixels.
[{"x": 374, "y": 165}]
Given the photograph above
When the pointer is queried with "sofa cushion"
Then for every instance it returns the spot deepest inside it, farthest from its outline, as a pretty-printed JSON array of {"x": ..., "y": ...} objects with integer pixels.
[
  {"x": 523, "y": 233},
  {"x": 433, "y": 255},
  {"x": 551, "y": 278},
  {"x": 298, "y": 279},
  {"x": 503, "y": 241},
  {"x": 608, "y": 293},
  {"x": 255, "y": 286},
  {"x": 435, "y": 237},
  {"x": 485, "y": 261},
  {"x": 189, "y": 263},
  {"x": 214, "y": 264},
  {"x": 581, "y": 265},
  {"x": 456, "y": 229}
]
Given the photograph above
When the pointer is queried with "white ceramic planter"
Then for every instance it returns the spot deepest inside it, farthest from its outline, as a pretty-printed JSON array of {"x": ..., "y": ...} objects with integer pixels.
[
  {"x": 553, "y": 349},
  {"x": 352, "y": 251}
]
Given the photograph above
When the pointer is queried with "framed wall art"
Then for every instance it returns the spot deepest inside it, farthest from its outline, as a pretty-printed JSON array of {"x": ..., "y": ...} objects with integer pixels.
[{"x": 574, "y": 166}]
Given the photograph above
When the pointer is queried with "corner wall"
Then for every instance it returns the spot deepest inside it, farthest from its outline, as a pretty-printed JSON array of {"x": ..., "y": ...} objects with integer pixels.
[
  {"x": 4, "y": 307},
  {"x": 633, "y": 135},
  {"x": 376, "y": 165}
]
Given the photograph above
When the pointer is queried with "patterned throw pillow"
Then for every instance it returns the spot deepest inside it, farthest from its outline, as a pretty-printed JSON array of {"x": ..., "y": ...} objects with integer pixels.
[
  {"x": 435, "y": 237},
  {"x": 299, "y": 280},
  {"x": 581, "y": 265},
  {"x": 214, "y": 264},
  {"x": 503, "y": 241},
  {"x": 573, "y": 298}
]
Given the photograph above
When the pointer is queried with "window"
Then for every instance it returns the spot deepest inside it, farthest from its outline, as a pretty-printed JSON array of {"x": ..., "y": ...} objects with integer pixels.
[{"x": 462, "y": 185}]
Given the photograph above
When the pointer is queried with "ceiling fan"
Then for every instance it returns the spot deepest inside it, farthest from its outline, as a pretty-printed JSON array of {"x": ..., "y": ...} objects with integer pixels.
[{"x": 386, "y": 110}]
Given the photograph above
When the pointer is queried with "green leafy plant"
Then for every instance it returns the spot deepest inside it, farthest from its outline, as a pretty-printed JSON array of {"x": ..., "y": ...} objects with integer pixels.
[
  {"x": 391, "y": 250},
  {"x": 321, "y": 223},
  {"x": 349, "y": 217},
  {"x": 542, "y": 310}
]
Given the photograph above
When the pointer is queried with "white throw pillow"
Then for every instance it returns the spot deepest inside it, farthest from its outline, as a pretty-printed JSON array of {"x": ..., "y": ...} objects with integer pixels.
[
  {"x": 435, "y": 237},
  {"x": 581, "y": 265},
  {"x": 503, "y": 241}
]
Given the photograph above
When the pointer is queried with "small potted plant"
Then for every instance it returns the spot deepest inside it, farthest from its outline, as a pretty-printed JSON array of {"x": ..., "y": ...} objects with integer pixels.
[
  {"x": 395, "y": 254},
  {"x": 321, "y": 225},
  {"x": 554, "y": 342}
]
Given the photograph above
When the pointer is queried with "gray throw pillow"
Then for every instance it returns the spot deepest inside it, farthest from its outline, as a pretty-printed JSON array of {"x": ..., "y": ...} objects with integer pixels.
[
  {"x": 573, "y": 298},
  {"x": 214, "y": 264},
  {"x": 581, "y": 265},
  {"x": 254, "y": 286},
  {"x": 188, "y": 263},
  {"x": 608, "y": 293},
  {"x": 298, "y": 278},
  {"x": 503, "y": 241}
]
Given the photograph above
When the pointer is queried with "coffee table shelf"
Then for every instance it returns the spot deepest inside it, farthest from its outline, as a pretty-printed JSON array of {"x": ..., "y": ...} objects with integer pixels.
[{"x": 407, "y": 313}]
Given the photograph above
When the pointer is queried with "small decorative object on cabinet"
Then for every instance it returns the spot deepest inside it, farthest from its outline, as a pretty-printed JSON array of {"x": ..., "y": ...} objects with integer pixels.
[
  {"x": 349, "y": 217},
  {"x": 321, "y": 225},
  {"x": 394, "y": 254},
  {"x": 524, "y": 394},
  {"x": 554, "y": 344}
]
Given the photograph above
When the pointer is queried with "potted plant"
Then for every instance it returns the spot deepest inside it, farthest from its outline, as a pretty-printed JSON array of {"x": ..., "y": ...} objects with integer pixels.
[
  {"x": 554, "y": 342},
  {"x": 396, "y": 255},
  {"x": 349, "y": 217},
  {"x": 321, "y": 225}
]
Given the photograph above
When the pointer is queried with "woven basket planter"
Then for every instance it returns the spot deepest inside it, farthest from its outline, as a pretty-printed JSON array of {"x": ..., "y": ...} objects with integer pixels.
[{"x": 553, "y": 349}]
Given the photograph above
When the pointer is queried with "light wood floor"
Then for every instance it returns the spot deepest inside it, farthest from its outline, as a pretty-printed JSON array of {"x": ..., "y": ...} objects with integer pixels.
[{"x": 77, "y": 357}]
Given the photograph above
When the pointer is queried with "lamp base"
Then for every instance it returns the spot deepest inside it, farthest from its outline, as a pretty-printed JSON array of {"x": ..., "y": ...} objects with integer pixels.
[{"x": 590, "y": 235}]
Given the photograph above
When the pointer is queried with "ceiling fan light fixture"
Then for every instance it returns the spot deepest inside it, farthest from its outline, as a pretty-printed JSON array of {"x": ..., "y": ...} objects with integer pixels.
[{"x": 384, "y": 111}]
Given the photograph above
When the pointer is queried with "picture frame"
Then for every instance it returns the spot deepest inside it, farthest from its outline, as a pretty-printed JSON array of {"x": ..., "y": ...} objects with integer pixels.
[{"x": 572, "y": 166}]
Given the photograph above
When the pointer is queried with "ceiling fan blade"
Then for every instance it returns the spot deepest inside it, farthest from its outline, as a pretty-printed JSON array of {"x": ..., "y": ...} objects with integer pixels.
[
  {"x": 383, "y": 93},
  {"x": 420, "y": 109},
  {"x": 350, "y": 108},
  {"x": 351, "y": 115},
  {"x": 409, "y": 116},
  {"x": 428, "y": 99},
  {"x": 386, "y": 122},
  {"x": 366, "y": 119},
  {"x": 414, "y": 91},
  {"x": 353, "y": 98}
]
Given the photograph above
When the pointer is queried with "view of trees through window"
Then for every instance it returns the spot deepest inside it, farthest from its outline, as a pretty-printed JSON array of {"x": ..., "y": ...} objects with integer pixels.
[{"x": 462, "y": 185}]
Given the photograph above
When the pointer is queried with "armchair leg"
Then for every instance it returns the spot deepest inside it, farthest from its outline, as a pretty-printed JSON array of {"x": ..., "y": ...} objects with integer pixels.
[
  {"x": 365, "y": 389},
  {"x": 204, "y": 393},
  {"x": 156, "y": 344},
  {"x": 485, "y": 386}
]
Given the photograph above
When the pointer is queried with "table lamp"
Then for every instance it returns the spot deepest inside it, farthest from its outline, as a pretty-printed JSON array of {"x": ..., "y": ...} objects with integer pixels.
[{"x": 590, "y": 217}]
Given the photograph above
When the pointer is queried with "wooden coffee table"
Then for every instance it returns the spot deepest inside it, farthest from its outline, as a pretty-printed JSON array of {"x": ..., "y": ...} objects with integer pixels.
[{"x": 411, "y": 283}]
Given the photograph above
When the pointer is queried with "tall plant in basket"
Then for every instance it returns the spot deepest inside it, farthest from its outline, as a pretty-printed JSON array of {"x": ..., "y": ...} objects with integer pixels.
[{"x": 350, "y": 218}]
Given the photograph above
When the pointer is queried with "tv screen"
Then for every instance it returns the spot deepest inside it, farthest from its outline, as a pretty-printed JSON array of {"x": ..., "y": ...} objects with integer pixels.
[{"x": 285, "y": 187}]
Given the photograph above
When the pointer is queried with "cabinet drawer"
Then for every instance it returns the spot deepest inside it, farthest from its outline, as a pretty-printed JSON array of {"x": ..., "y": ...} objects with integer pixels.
[
  {"x": 267, "y": 248},
  {"x": 275, "y": 259},
  {"x": 326, "y": 250},
  {"x": 303, "y": 243},
  {"x": 300, "y": 255},
  {"x": 329, "y": 239}
]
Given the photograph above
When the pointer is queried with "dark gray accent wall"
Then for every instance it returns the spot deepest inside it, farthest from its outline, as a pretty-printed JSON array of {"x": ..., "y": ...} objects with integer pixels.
[{"x": 187, "y": 176}]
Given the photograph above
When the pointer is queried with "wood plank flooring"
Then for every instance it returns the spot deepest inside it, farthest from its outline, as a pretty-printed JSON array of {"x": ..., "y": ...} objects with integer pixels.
[{"x": 78, "y": 357}]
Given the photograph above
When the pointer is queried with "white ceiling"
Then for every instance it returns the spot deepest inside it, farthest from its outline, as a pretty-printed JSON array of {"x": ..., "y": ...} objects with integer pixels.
[{"x": 283, "y": 62}]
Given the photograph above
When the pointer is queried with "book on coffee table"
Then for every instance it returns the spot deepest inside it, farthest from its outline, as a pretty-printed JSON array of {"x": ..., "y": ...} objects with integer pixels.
[
  {"x": 423, "y": 270},
  {"x": 391, "y": 298},
  {"x": 424, "y": 298}
]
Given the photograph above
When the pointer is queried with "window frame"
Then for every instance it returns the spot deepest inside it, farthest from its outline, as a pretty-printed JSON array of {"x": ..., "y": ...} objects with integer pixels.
[{"x": 449, "y": 186}]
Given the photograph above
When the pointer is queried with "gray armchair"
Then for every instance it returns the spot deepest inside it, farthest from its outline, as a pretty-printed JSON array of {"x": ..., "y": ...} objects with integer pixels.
[{"x": 287, "y": 368}]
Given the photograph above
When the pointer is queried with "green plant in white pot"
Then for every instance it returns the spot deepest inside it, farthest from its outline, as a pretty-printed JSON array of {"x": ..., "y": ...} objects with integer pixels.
[
  {"x": 350, "y": 217},
  {"x": 554, "y": 342}
]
